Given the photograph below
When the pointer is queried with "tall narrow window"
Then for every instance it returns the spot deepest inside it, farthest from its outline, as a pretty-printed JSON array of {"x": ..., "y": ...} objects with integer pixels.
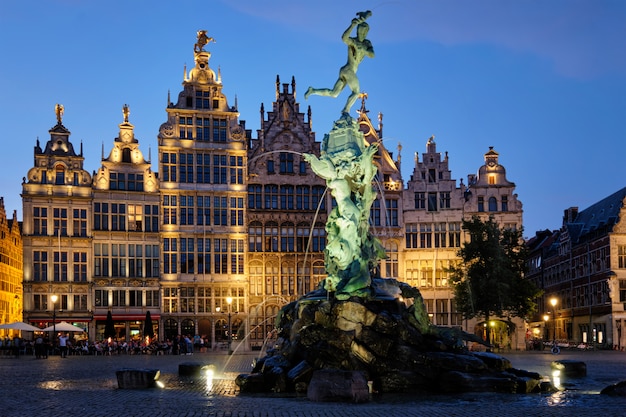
[
  {"x": 60, "y": 175},
  {"x": 187, "y": 256},
  {"x": 286, "y": 197},
  {"x": 151, "y": 212},
  {"x": 255, "y": 237},
  {"x": 392, "y": 212},
  {"x": 135, "y": 217},
  {"x": 255, "y": 196},
  {"x": 169, "y": 209},
  {"x": 186, "y": 167},
  {"x": 505, "y": 203},
  {"x": 101, "y": 216},
  {"x": 203, "y": 168},
  {"x": 101, "y": 259},
  {"x": 204, "y": 210},
  {"x": 302, "y": 197},
  {"x": 80, "y": 266},
  {"x": 79, "y": 222},
  {"x": 60, "y": 266},
  {"x": 287, "y": 237},
  {"x": 220, "y": 211},
  {"x": 432, "y": 201},
  {"x": 168, "y": 167},
  {"x": 170, "y": 256},
  {"x": 236, "y": 211},
  {"x": 271, "y": 196},
  {"x": 286, "y": 163},
  {"x": 236, "y": 169},
  {"x": 271, "y": 237},
  {"x": 118, "y": 217},
  {"x": 219, "y": 169},
  {"x": 40, "y": 221},
  {"x": 40, "y": 266},
  {"x": 420, "y": 200}
]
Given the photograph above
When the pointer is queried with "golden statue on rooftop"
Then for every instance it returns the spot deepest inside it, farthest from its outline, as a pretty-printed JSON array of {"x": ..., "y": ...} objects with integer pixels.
[
  {"x": 203, "y": 39},
  {"x": 59, "y": 109},
  {"x": 125, "y": 112}
]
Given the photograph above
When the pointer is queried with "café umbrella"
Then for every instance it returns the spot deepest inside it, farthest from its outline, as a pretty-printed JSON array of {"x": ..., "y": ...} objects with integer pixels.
[
  {"x": 19, "y": 325},
  {"x": 63, "y": 327}
]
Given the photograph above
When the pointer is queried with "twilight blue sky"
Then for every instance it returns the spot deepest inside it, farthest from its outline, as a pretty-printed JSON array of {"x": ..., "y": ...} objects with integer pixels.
[{"x": 542, "y": 81}]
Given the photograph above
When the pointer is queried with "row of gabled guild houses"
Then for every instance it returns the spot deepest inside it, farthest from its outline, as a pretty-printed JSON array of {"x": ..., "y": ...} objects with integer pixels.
[
  {"x": 232, "y": 227},
  {"x": 582, "y": 269}
]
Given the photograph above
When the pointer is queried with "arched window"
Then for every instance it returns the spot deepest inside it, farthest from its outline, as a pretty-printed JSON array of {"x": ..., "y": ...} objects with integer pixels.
[
  {"x": 271, "y": 237},
  {"x": 391, "y": 263},
  {"x": 303, "y": 278},
  {"x": 287, "y": 237},
  {"x": 493, "y": 204},
  {"x": 126, "y": 155},
  {"x": 187, "y": 327},
  {"x": 60, "y": 175},
  {"x": 255, "y": 237},
  {"x": 302, "y": 237},
  {"x": 271, "y": 279},
  {"x": 255, "y": 269},
  {"x": 287, "y": 281}
]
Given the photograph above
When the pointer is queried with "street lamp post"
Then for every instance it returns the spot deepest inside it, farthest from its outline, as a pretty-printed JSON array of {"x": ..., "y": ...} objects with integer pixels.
[
  {"x": 54, "y": 299},
  {"x": 553, "y": 301},
  {"x": 545, "y": 319},
  {"x": 229, "y": 301}
]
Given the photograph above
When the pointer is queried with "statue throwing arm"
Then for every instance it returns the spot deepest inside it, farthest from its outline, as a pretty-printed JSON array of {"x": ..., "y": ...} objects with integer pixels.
[{"x": 358, "y": 48}]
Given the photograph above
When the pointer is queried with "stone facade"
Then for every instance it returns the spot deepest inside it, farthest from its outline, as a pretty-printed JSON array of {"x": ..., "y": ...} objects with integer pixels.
[
  {"x": 11, "y": 265},
  {"x": 582, "y": 267},
  {"x": 202, "y": 177},
  {"x": 434, "y": 210},
  {"x": 57, "y": 197},
  {"x": 125, "y": 237}
]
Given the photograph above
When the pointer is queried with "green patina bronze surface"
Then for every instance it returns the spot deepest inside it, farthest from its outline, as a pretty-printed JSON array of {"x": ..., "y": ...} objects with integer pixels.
[
  {"x": 346, "y": 163},
  {"x": 358, "y": 48}
]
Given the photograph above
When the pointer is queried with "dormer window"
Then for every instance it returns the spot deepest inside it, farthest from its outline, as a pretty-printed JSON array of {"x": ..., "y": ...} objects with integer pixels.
[
  {"x": 126, "y": 155},
  {"x": 60, "y": 175}
]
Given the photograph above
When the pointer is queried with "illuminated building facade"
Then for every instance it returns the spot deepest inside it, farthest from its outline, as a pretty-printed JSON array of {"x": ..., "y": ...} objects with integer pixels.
[
  {"x": 57, "y": 197},
  {"x": 202, "y": 178},
  {"x": 582, "y": 269},
  {"x": 10, "y": 268},
  {"x": 124, "y": 232},
  {"x": 232, "y": 227},
  {"x": 434, "y": 210}
]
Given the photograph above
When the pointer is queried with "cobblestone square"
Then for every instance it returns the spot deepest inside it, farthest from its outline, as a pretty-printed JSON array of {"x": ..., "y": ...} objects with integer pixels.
[{"x": 87, "y": 386}]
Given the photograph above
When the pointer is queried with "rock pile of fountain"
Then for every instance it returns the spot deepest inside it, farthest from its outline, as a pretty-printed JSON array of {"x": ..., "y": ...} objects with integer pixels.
[{"x": 386, "y": 339}]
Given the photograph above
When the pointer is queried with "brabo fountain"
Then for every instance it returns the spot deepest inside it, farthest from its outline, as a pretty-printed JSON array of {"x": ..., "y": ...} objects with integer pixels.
[{"x": 360, "y": 333}]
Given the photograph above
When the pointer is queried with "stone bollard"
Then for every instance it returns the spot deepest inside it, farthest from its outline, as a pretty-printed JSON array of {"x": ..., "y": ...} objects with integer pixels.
[
  {"x": 570, "y": 368},
  {"x": 137, "y": 378},
  {"x": 191, "y": 369}
]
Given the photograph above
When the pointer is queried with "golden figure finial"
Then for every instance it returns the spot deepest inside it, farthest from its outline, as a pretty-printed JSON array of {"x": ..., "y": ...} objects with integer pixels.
[
  {"x": 363, "y": 97},
  {"x": 59, "y": 109},
  {"x": 126, "y": 112},
  {"x": 203, "y": 39}
]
